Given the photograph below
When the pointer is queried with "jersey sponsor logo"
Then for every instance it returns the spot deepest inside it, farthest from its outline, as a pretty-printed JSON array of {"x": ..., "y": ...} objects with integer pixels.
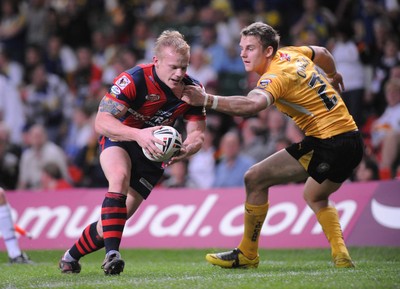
[
  {"x": 122, "y": 82},
  {"x": 159, "y": 118},
  {"x": 152, "y": 97},
  {"x": 137, "y": 115},
  {"x": 114, "y": 91}
]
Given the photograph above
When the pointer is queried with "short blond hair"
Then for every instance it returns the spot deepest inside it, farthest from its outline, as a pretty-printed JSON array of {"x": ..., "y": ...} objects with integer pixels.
[{"x": 171, "y": 38}]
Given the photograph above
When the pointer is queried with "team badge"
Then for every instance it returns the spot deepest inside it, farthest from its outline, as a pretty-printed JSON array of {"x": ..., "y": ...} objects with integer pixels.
[
  {"x": 152, "y": 97},
  {"x": 265, "y": 82},
  {"x": 323, "y": 167},
  {"x": 122, "y": 82},
  {"x": 284, "y": 56},
  {"x": 114, "y": 91}
]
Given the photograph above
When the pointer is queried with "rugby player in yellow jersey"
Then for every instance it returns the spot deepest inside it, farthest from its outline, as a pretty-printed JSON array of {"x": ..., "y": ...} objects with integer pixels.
[{"x": 303, "y": 83}]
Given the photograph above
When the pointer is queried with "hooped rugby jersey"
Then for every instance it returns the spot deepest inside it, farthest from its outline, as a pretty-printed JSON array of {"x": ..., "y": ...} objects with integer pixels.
[
  {"x": 301, "y": 90},
  {"x": 150, "y": 102}
]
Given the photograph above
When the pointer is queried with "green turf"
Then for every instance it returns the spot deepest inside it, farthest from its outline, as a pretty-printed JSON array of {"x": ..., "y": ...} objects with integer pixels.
[{"x": 279, "y": 269}]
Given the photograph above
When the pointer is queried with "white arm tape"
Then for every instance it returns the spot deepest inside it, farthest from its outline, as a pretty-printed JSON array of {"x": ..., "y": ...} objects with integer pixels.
[
  {"x": 215, "y": 102},
  {"x": 205, "y": 100},
  {"x": 266, "y": 94}
]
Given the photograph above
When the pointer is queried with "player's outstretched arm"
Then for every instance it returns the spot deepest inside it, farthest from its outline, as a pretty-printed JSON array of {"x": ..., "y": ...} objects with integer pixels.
[{"x": 251, "y": 104}]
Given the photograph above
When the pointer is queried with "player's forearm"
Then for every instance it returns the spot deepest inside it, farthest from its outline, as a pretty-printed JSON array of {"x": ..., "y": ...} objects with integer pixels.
[
  {"x": 233, "y": 105},
  {"x": 195, "y": 137},
  {"x": 107, "y": 125},
  {"x": 193, "y": 143}
]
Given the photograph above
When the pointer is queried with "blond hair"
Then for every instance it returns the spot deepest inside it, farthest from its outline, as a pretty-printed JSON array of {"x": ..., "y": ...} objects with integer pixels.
[{"x": 171, "y": 38}]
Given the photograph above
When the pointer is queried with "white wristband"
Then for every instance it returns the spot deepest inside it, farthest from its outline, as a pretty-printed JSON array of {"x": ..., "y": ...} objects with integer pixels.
[
  {"x": 215, "y": 102},
  {"x": 205, "y": 100}
]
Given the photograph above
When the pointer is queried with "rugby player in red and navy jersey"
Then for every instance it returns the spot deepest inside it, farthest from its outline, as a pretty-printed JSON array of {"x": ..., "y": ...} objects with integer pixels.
[{"x": 140, "y": 101}]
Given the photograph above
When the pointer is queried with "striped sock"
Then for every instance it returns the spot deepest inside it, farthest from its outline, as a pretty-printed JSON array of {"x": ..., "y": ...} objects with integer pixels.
[
  {"x": 113, "y": 219},
  {"x": 89, "y": 242}
]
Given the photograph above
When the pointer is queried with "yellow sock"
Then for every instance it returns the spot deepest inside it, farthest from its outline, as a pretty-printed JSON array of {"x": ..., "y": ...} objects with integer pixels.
[
  {"x": 254, "y": 217},
  {"x": 329, "y": 219}
]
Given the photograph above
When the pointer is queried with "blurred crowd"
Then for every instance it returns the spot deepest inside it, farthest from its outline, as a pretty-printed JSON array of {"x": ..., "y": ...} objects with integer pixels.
[{"x": 58, "y": 58}]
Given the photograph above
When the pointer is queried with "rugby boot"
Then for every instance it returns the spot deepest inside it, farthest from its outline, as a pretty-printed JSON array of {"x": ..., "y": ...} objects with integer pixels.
[
  {"x": 343, "y": 260},
  {"x": 113, "y": 264},
  {"x": 69, "y": 267},
  {"x": 232, "y": 259}
]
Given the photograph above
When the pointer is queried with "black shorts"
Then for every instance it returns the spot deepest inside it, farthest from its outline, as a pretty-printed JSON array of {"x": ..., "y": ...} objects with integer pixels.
[
  {"x": 145, "y": 174},
  {"x": 333, "y": 158}
]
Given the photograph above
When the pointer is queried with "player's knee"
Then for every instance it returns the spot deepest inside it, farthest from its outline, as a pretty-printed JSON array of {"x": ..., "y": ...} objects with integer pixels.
[
  {"x": 255, "y": 180},
  {"x": 119, "y": 179}
]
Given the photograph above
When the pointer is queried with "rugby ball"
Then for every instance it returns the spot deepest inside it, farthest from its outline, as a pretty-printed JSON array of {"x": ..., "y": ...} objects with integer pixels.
[{"x": 172, "y": 144}]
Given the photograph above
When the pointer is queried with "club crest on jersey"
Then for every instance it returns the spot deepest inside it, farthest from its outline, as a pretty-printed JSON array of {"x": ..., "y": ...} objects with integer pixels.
[
  {"x": 114, "y": 91},
  {"x": 122, "y": 82},
  {"x": 284, "y": 56},
  {"x": 152, "y": 97}
]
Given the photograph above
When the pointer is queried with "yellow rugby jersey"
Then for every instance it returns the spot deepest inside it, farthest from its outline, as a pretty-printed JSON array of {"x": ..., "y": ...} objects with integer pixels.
[{"x": 302, "y": 91}]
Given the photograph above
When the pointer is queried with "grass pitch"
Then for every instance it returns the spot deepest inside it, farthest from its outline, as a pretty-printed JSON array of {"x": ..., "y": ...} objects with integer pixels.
[{"x": 309, "y": 269}]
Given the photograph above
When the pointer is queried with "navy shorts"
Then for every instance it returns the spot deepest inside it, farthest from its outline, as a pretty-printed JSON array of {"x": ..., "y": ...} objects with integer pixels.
[
  {"x": 145, "y": 174},
  {"x": 333, "y": 158}
]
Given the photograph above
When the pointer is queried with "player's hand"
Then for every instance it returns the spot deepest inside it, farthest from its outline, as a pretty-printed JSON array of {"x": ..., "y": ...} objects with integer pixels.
[
  {"x": 183, "y": 154},
  {"x": 147, "y": 140},
  {"x": 193, "y": 95},
  {"x": 337, "y": 82}
]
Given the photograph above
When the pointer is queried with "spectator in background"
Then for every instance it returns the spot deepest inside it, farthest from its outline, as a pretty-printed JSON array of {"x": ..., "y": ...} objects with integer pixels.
[
  {"x": 15, "y": 255},
  {"x": 201, "y": 166},
  {"x": 86, "y": 168},
  {"x": 142, "y": 41},
  {"x": 366, "y": 171},
  {"x": 385, "y": 62},
  {"x": 314, "y": 18},
  {"x": 80, "y": 130},
  {"x": 215, "y": 51},
  {"x": 47, "y": 101},
  {"x": 86, "y": 79},
  {"x": 37, "y": 25},
  {"x": 254, "y": 137},
  {"x": 10, "y": 68},
  {"x": 348, "y": 62},
  {"x": 385, "y": 133},
  {"x": 73, "y": 23},
  {"x": 11, "y": 109},
  {"x": 103, "y": 49},
  {"x": 34, "y": 158},
  {"x": 123, "y": 60},
  {"x": 201, "y": 67},
  {"x": 276, "y": 129},
  {"x": 59, "y": 58},
  {"x": 9, "y": 159},
  {"x": 12, "y": 29},
  {"x": 177, "y": 176},
  {"x": 52, "y": 178},
  {"x": 33, "y": 57},
  {"x": 233, "y": 164}
]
